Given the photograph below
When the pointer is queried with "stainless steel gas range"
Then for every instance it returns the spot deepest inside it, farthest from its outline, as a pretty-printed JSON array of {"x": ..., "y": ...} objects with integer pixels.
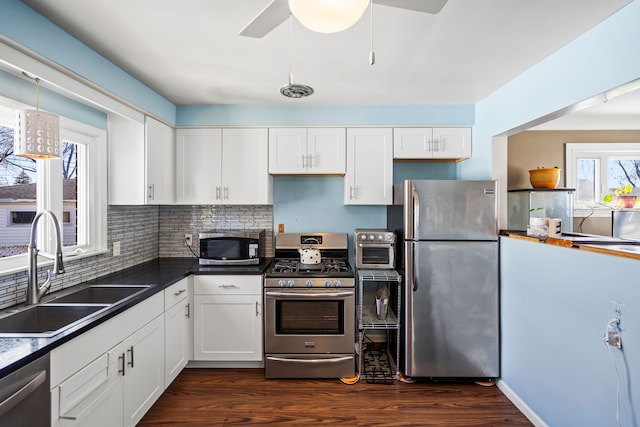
[{"x": 310, "y": 308}]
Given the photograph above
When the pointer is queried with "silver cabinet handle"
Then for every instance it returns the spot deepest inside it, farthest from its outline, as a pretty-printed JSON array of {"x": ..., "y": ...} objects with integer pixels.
[
  {"x": 179, "y": 292},
  {"x": 226, "y": 193},
  {"x": 121, "y": 360},
  {"x": 130, "y": 351},
  {"x": 352, "y": 192},
  {"x": 188, "y": 311},
  {"x": 231, "y": 286},
  {"x": 12, "y": 401},
  {"x": 151, "y": 193},
  {"x": 257, "y": 309},
  {"x": 217, "y": 193}
]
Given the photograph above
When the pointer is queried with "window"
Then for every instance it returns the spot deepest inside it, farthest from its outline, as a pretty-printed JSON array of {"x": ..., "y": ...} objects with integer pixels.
[
  {"x": 73, "y": 187},
  {"x": 597, "y": 169}
]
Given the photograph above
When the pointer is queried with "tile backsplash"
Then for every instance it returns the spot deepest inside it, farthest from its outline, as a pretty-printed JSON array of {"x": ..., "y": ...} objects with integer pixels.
[
  {"x": 145, "y": 233},
  {"x": 176, "y": 221}
]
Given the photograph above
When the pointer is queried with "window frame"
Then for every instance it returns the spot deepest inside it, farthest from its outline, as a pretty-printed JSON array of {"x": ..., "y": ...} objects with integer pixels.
[
  {"x": 601, "y": 152},
  {"x": 91, "y": 218}
]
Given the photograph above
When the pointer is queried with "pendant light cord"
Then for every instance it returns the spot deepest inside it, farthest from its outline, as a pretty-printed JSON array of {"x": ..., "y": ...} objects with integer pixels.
[
  {"x": 372, "y": 55},
  {"x": 290, "y": 49},
  {"x": 37, "y": 93}
]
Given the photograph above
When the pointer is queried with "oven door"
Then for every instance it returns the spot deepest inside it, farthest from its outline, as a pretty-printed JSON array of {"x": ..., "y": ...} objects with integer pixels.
[
  {"x": 299, "y": 321},
  {"x": 375, "y": 255}
]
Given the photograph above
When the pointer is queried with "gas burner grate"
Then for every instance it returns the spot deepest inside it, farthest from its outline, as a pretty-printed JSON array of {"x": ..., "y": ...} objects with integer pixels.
[
  {"x": 377, "y": 367},
  {"x": 330, "y": 265}
]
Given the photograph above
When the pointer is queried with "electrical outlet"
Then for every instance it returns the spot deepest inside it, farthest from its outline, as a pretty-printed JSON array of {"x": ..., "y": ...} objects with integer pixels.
[
  {"x": 619, "y": 312},
  {"x": 116, "y": 248},
  {"x": 188, "y": 239}
]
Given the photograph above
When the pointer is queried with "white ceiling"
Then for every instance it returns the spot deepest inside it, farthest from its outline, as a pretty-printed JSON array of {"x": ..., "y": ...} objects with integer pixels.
[{"x": 190, "y": 52}]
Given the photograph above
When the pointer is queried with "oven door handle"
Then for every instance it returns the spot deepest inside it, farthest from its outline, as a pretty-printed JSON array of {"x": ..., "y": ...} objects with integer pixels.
[
  {"x": 327, "y": 360},
  {"x": 308, "y": 295},
  {"x": 376, "y": 245}
]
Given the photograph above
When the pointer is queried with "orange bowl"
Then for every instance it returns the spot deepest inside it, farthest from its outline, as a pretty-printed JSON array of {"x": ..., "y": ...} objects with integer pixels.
[{"x": 544, "y": 178}]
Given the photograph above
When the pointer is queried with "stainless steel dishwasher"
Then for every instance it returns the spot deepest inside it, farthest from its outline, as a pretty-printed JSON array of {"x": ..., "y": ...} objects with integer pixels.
[{"x": 25, "y": 399}]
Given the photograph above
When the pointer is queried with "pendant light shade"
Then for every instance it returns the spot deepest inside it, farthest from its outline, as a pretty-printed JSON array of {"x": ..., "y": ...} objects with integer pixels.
[
  {"x": 328, "y": 16},
  {"x": 36, "y": 133}
]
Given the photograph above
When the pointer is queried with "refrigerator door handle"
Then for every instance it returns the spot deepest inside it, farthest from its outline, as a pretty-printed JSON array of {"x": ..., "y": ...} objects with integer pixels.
[
  {"x": 416, "y": 211},
  {"x": 409, "y": 263}
]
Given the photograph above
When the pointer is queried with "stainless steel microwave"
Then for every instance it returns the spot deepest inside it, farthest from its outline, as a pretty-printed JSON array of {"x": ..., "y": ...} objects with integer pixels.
[{"x": 230, "y": 247}]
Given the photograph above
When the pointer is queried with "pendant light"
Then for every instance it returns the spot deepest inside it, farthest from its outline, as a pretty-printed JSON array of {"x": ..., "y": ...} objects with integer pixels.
[
  {"x": 292, "y": 90},
  {"x": 328, "y": 16},
  {"x": 36, "y": 133}
]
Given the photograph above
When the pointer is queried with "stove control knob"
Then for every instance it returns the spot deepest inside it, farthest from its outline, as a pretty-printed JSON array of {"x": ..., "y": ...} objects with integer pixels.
[
  {"x": 336, "y": 283},
  {"x": 291, "y": 283},
  {"x": 309, "y": 283},
  {"x": 363, "y": 237},
  {"x": 281, "y": 283},
  {"x": 327, "y": 283},
  {"x": 380, "y": 237},
  {"x": 372, "y": 237}
]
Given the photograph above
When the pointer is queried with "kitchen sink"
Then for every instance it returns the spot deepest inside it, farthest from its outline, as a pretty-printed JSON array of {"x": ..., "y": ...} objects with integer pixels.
[
  {"x": 46, "y": 320},
  {"x": 100, "y": 294}
]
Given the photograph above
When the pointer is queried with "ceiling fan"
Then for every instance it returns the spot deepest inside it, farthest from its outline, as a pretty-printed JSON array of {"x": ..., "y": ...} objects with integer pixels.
[{"x": 278, "y": 11}]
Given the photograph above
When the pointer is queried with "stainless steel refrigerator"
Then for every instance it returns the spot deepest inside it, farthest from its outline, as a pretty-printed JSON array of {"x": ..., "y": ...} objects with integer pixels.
[{"x": 448, "y": 257}]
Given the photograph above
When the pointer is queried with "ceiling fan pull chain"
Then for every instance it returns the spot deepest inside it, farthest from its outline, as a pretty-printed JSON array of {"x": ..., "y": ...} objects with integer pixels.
[{"x": 372, "y": 54}]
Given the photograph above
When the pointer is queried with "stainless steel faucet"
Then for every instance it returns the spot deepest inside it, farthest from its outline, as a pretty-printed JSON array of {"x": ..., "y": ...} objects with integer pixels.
[{"x": 35, "y": 292}]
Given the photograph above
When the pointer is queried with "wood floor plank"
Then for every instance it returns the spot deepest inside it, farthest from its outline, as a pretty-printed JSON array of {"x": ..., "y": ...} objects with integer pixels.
[{"x": 233, "y": 397}]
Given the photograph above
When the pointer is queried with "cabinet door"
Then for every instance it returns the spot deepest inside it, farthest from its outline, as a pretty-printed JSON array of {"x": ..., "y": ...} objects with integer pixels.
[
  {"x": 228, "y": 327},
  {"x": 326, "y": 151},
  {"x": 127, "y": 184},
  {"x": 198, "y": 171},
  {"x": 176, "y": 333},
  {"x": 288, "y": 151},
  {"x": 245, "y": 162},
  {"x": 93, "y": 396},
  {"x": 159, "y": 162},
  {"x": 452, "y": 143},
  {"x": 412, "y": 143},
  {"x": 369, "y": 177},
  {"x": 144, "y": 370}
]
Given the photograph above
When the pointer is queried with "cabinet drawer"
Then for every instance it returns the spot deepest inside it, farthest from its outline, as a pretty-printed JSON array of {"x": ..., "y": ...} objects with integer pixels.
[
  {"x": 175, "y": 293},
  {"x": 227, "y": 285}
]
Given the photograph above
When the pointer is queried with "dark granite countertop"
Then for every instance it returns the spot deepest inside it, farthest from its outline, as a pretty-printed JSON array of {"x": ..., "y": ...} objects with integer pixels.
[{"x": 161, "y": 273}]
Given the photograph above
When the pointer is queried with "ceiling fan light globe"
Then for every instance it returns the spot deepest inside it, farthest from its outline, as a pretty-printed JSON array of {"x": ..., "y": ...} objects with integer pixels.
[{"x": 328, "y": 16}]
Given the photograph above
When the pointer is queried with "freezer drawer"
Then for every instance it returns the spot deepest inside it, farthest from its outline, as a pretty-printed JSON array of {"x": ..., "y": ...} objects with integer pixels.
[{"x": 452, "y": 316}]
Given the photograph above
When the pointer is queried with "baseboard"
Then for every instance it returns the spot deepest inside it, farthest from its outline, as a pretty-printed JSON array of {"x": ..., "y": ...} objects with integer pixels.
[{"x": 520, "y": 404}]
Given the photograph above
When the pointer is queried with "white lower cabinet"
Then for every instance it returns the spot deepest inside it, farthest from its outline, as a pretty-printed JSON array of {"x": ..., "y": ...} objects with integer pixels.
[
  {"x": 112, "y": 374},
  {"x": 143, "y": 378},
  {"x": 228, "y": 318},
  {"x": 177, "y": 326}
]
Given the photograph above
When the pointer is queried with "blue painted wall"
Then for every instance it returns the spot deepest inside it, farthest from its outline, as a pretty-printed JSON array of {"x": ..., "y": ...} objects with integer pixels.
[{"x": 556, "y": 303}]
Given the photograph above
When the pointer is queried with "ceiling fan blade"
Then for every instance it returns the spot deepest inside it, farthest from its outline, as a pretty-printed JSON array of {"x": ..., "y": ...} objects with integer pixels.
[
  {"x": 271, "y": 16},
  {"x": 426, "y": 6}
]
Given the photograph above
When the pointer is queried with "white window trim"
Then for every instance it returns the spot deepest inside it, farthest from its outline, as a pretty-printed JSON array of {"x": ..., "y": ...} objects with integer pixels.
[
  {"x": 95, "y": 204},
  {"x": 600, "y": 151}
]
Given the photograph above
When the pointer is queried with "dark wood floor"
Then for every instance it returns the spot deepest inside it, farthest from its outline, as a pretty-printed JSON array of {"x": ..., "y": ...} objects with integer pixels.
[{"x": 228, "y": 397}]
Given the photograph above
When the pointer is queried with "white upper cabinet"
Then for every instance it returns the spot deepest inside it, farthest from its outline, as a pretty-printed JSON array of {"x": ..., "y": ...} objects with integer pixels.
[
  {"x": 141, "y": 162},
  {"x": 369, "y": 177},
  {"x": 160, "y": 162},
  {"x": 223, "y": 166},
  {"x": 447, "y": 143},
  {"x": 307, "y": 151}
]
